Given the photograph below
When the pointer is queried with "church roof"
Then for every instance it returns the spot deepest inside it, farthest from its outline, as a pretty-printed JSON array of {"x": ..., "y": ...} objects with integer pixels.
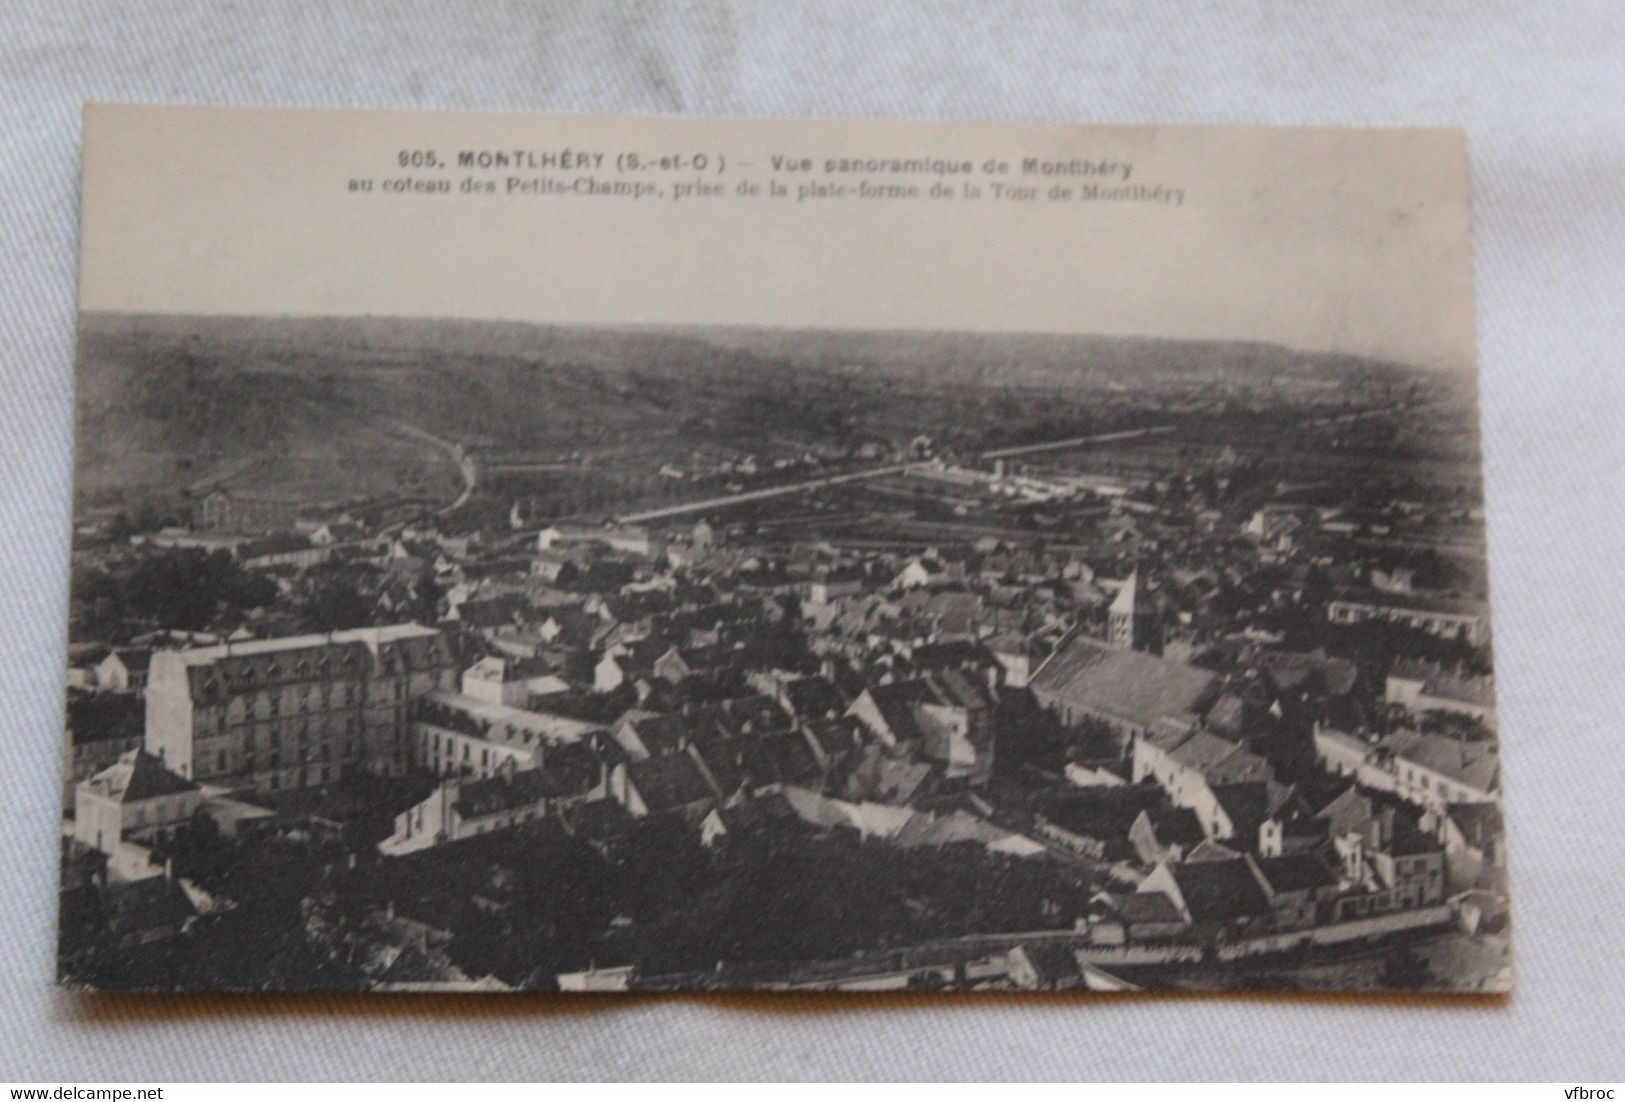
[{"x": 1130, "y": 686}]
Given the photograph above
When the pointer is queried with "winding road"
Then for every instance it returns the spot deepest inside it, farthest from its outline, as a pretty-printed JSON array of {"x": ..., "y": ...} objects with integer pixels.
[{"x": 466, "y": 466}]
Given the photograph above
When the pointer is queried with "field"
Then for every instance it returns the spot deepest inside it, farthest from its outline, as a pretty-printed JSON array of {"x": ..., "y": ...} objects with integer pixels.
[{"x": 580, "y": 420}]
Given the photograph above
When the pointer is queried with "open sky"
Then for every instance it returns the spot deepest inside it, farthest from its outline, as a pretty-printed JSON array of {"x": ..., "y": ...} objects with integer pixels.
[{"x": 1326, "y": 239}]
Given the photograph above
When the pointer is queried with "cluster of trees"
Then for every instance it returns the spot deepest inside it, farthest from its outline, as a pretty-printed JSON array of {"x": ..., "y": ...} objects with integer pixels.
[
  {"x": 269, "y": 933},
  {"x": 144, "y": 516},
  {"x": 184, "y": 588},
  {"x": 334, "y": 601},
  {"x": 528, "y": 904},
  {"x": 770, "y": 896},
  {"x": 193, "y": 590},
  {"x": 1377, "y": 645},
  {"x": 1028, "y": 735}
]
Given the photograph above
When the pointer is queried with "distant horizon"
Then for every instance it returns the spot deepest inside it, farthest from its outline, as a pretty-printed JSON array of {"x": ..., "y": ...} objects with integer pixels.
[{"x": 1468, "y": 368}]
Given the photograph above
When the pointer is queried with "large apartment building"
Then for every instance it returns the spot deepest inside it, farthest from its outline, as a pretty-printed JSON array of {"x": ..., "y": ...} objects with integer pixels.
[{"x": 294, "y": 712}]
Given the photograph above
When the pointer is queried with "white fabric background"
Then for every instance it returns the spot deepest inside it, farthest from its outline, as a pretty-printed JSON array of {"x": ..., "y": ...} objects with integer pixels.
[{"x": 1541, "y": 89}]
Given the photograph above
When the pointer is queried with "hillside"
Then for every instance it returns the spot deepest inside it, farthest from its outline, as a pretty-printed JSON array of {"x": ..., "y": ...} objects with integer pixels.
[
  {"x": 326, "y": 408},
  {"x": 1043, "y": 360}
]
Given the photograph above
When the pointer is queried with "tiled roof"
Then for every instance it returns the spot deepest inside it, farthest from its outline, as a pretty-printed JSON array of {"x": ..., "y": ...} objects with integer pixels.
[
  {"x": 664, "y": 734},
  {"x": 835, "y": 736},
  {"x": 1349, "y": 811},
  {"x": 1146, "y": 907},
  {"x": 1296, "y": 872},
  {"x": 1228, "y": 714},
  {"x": 263, "y": 663},
  {"x": 954, "y": 687},
  {"x": 1294, "y": 669},
  {"x": 1476, "y": 764},
  {"x": 1409, "y": 840},
  {"x": 1386, "y": 822},
  {"x": 1103, "y": 813},
  {"x": 1245, "y": 803},
  {"x": 723, "y": 757},
  {"x": 814, "y": 697},
  {"x": 1174, "y": 825},
  {"x": 781, "y": 758},
  {"x": 1220, "y": 891},
  {"x": 597, "y": 819},
  {"x": 668, "y": 782},
  {"x": 895, "y": 703},
  {"x": 1220, "y": 760}
]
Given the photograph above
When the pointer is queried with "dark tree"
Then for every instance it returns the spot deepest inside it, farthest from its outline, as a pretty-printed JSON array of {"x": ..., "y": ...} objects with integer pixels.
[{"x": 334, "y": 604}]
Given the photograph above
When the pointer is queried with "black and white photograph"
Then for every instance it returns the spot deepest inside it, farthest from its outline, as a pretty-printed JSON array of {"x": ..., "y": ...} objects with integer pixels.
[{"x": 593, "y": 554}]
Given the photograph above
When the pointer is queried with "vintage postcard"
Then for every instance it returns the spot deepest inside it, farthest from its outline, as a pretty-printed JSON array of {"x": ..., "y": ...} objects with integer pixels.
[{"x": 583, "y": 553}]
